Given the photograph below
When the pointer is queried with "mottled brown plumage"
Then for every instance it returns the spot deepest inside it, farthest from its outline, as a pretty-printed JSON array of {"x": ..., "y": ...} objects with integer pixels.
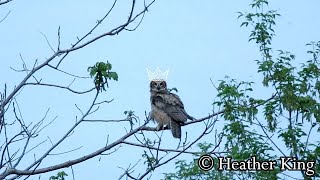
[{"x": 167, "y": 108}]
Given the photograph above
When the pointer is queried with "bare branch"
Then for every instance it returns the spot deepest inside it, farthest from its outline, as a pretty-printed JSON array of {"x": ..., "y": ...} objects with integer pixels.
[
  {"x": 5, "y": 2},
  {"x": 102, "y": 102},
  {"x": 90, "y": 32},
  {"x": 61, "y": 87},
  {"x": 48, "y": 42},
  {"x": 107, "y": 121},
  {"x": 129, "y": 170},
  {"x": 114, "y": 31},
  {"x": 35, "y": 146},
  {"x": 76, "y": 76},
  {"x": 65, "y": 152},
  {"x": 175, "y": 156},
  {"x": 62, "y": 138},
  {"x": 4, "y": 16},
  {"x": 170, "y": 150},
  {"x": 58, "y": 38},
  {"x": 68, "y": 163}
]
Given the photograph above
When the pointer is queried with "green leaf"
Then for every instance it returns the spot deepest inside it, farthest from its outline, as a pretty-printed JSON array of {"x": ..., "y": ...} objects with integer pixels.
[
  {"x": 244, "y": 23},
  {"x": 113, "y": 75},
  {"x": 100, "y": 72},
  {"x": 173, "y": 89}
]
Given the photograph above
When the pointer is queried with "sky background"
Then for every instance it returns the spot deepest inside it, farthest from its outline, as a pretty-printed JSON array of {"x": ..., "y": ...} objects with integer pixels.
[{"x": 196, "y": 40}]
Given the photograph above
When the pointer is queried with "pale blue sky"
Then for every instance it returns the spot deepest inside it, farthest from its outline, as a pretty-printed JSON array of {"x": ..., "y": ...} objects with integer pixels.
[{"x": 197, "y": 40}]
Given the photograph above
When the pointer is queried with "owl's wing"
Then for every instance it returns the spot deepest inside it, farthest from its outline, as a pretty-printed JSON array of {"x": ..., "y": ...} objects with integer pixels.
[
  {"x": 176, "y": 99},
  {"x": 172, "y": 105}
]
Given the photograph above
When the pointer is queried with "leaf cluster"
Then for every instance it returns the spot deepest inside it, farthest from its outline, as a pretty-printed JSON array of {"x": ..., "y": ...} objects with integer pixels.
[
  {"x": 60, "y": 176},
  {"x": 101, "y": 72}
]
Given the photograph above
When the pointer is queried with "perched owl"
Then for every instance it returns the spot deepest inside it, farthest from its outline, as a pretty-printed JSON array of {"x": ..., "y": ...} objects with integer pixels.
[{"x": 166, "y": 108}]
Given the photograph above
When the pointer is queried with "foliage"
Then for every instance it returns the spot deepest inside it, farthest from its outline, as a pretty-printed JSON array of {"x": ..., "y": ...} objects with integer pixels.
[
  {"x": 291, "y": 114},
  {"x": 101, "y": 73},
  {"x": 172, "y": 89},
  {"x": 190, "y": 170},
  {"x": 149, "y": 159},
  {"x": 60, "y": 176}
]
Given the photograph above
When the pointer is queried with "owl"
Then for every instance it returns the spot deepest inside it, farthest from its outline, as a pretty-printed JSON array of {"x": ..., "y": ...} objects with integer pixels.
[{"x": 167, "y": 108}]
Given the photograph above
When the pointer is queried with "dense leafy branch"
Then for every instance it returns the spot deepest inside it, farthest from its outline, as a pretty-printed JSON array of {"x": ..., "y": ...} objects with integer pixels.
[{"x": 287, "y": 119}]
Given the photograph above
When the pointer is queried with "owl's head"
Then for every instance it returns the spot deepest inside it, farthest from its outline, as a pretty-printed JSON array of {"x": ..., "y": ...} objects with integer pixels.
[{"x": 158, "y": 86}]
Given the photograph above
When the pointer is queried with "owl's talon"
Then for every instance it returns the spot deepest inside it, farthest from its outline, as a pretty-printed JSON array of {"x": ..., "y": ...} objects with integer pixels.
[{"x": 159, "y": 127}]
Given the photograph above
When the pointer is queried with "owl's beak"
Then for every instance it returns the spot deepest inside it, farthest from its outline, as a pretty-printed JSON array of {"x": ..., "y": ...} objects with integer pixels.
[{"x": 158, "y": 88}]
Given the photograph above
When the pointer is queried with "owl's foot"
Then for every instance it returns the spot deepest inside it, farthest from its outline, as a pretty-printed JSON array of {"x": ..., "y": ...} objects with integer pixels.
[{"x": 159, "y": 127}]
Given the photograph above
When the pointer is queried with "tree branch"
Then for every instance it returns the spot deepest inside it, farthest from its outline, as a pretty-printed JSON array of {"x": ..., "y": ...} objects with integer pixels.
[
  {"x": 4, "y": 2},
  {"x": 71, "y": 162}
]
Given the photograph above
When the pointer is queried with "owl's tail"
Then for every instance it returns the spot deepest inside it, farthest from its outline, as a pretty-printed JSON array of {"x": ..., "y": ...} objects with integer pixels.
[{"x": 175, "y": 129}]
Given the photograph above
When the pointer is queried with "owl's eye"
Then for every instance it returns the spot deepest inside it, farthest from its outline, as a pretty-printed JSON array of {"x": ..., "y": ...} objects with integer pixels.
[
  {"x": 162, "y": 84},
  {"x": 154, "y": 84}
]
